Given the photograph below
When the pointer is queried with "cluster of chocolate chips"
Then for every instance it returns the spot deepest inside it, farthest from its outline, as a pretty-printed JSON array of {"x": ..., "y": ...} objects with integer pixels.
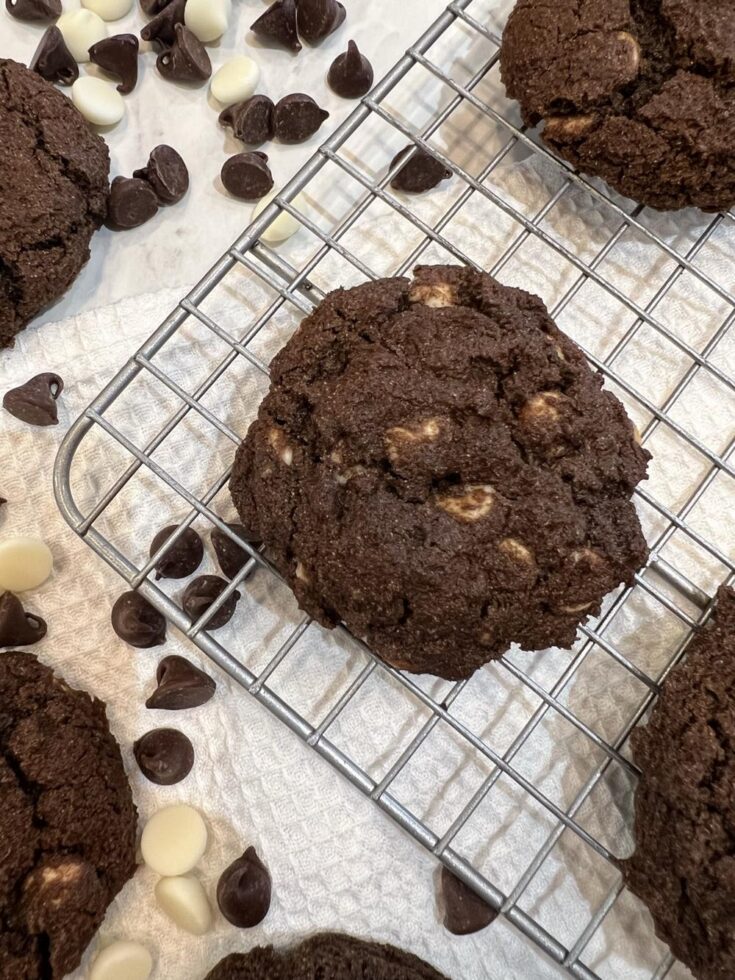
[
  {"x": 134, "y": 200},
  {"x": 286, "y": 20}
]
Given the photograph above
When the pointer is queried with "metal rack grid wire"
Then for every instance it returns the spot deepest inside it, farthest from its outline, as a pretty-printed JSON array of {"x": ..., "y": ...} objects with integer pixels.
[{"x": 680, "y": 542}]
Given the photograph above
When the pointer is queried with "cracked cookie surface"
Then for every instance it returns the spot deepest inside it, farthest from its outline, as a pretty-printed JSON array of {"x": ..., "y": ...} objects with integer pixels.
[
  {"x": 436, "y": 465},
  {"x": 67, "y": 820},
  {"x": 684, "y": 863},
  {"x": 53, "y": 195},
  {"x": 638, "y": 92}
]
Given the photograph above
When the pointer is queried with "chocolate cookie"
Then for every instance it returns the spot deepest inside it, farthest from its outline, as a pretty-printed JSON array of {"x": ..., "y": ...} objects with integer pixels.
[
  {"x": 67, "y": 820},
  {"x": 325, "y": 955},
  {"x": 437, "y": 466},
  {"x": 53, "y": 176},
  {"x": 684, "y": 865},
  {"x": 638, "y": 92}
]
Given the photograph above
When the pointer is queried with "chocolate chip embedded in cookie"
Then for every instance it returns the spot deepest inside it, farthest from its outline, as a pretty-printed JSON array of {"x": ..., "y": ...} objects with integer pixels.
[
  {"x": 67, "y": 820},
  {"x": 641, "y": 94},
  {"x": 437, "y": 466}
]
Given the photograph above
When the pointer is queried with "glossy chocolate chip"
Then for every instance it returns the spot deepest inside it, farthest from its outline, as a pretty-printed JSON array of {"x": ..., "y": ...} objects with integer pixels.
[
  {"x": 53, "y": 60},
  {"x": 464, "y": 911},
  {"x": 247, "y": 175},
  {"x": 18, "y": 628},
  {"x": 186, "y": 60},
  {"x": 183, "y": 557},
  {"x": 34, "y": 9},
  {"x": 119, "y": 56},
  {"x": 164, "y": 755},
  {"x": 153, "y": 7},
  {"x": 317, "y": 19},
  {"x": 162, "y": 29},
  {"x": 167, "y": 174},
  {"x": 244, "y": 891},
  {"x": 180, "y": 685},
  {"x": 278, "y": 25},
  {"x": 350, "y": 74},
  {"x": 230, "y": 555},
  {"x": 250, "y": 121},
  {"x": 35, "y": 401},
  {"x": 419, "y": 173},
  {"x": 199, "y": 595},
  {"x": 131, "y": 203},
  {"x": 296, "y": 117},
  {"x": 137, "y": 622}
]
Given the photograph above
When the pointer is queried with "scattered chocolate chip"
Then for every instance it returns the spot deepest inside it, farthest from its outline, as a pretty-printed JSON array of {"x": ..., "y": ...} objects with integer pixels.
[
  {"x": 278, "y": 24},
  {"x": 230, "y": 555},
  {"x": 131, "y": 203},
  {"x": 18, "y": 628},
  {"x": 137, "y": 622},
  {"x": 247, "y": 175},
  {"x": 153, "y": 7},
  {"x": 199, "y": 595},
  {"x": 186, "y": 60},
  {"x": 464, "y": 911},
  {"x": 251, "y": 121},
  {"x": 119, "y": 56},
  {"x": 35, "y": 401},
  {"x": 164, "y": 755},
  {"x": 180, "y": 685},
  {"x": 53, "y": 60},
  {"x": 162, "y": 29},
  {"x": 3, "y": 500},
  {"x": 34, "y": 9},
  {"x": 183, "y": 558},
  {"x": 297, "y": 117},
  {"x": 420, "y": 173},
  {"x": 244, "y": 891},
  {"x": 317, "y": 19},
  {"x": 350, "y": 74},
  {"x": 166, "y": 173}
]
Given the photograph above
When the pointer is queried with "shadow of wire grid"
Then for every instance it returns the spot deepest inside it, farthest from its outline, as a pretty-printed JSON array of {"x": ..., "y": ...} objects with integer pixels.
[{"x": 518, "y": 779}]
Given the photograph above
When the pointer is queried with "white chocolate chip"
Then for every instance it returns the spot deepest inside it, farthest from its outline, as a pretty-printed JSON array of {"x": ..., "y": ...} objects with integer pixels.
[
  {"x": 122, "y": 960},
  {"x": 184, "y": 901},
  {"x": 345, "y": 476},
  {"x": 514, "y": 549},
  {"x": 572, "y": 610},
  {"x": 174, "y": 840},
  {"x": 301, "y": 572},
  {"x": 586, "y": 555},
  {"x": 637, "y": 437},
  {"x": 280, "y": 444},
  {"x": 437, "y": 295},
  {"x": 282, "y": 227},
  {"x": 474, "y": 503},
  {"x": 400, "y": 435},
  {"x": 633, "y": 48},
  {"x": 81, "y": 29},
  {"x": 98, "y": 101},
  {"x": 567, "y": 127},
  {"x": 108, "y": 9},
  {"x": 207, "y": 18},
  {"x": 543, "y": 406},
  {"x": 235, "y": 81},
  {"x": 25, "y": 563}
]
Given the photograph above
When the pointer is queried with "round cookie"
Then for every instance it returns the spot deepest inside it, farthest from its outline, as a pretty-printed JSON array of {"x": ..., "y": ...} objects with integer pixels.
[
  {"x": 67, "y": 820},
  {"x": 53, "y": 175},
  {"x": 329, "y": 955},
  {"x": 436, "y": 465},
  {"x": 638, "y": 92}
]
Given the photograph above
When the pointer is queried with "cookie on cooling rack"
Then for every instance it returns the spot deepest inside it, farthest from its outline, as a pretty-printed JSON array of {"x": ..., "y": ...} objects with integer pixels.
[
  {"x": 641, "y": 94},
  {"x": 684, "y": 866},
  {"x": 437, "y": 466},
  {"x": 53, "y": 195},
  {"x": 325, "y": 955},
  {"x": 67, "y": 820}
]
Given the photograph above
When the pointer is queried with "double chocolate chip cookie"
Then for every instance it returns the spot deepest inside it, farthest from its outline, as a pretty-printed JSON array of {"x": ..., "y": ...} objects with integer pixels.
[
  {"x": 53, "y": 195},
  {"x": 638, "y": 92},
  {"x": 67, "y": 820},
  {"x": 437, "y": 466},
  {"x": 684, "y": 863}
]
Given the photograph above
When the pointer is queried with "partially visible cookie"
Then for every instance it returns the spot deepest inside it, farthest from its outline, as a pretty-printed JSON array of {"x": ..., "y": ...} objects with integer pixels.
[
  {"x": 684, "y": 863},
  {"x": 326, "y": 956},
  {"x": 639, "y": 93},
  {"x": 67, "y": 820}
]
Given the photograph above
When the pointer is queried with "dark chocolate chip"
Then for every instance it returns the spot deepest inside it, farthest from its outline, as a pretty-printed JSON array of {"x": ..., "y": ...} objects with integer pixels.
[
  {"x": 131, "y": 203},
  {"x": 137, "y": 622},
  {"x": 53, "y": 60},
  {"x": 35, "y": 401},
  {"x": 464, "y": 911},
  {"x": 119, "y": 56},
  {"x": 297, "y": 117},
  {"x": 153, "y": 7},
  {"x": 18, "y": 628},
  {"x": 34, "y": 9},
  {"x": 166, "y": 173},
  {"x": 3, "y": 500},
  {"x": 183, "y": 557},
  {"x": 164, "y": 755},
  {"x": 199, "y": 595},
  {"x": 247, "y": 175},
  {"x": 317, "y": 19},
  {"x": 278, "y": 24},
  {"x": 244, "y": 891},
  {"x": 251, "y": 121},
  {"x": 180, "y": 685},
  {"x": 186, "y": 60},
  {"x": 230, "y": 555},
  {"x": 162, "y": 29},
  {"x": 350, "y": 74},
  {"x": 420, "y": 173}
]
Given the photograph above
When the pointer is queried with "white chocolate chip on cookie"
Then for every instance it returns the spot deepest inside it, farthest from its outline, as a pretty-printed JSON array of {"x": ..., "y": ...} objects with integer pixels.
[
  {"x": 473, "y": 504},
  {"x": 436, "y": 294},
  {"x": 516, "y": 550}
]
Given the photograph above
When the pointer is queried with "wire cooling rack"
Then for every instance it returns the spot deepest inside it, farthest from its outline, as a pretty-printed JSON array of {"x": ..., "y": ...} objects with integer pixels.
[{"x": 648, "y": 296}]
